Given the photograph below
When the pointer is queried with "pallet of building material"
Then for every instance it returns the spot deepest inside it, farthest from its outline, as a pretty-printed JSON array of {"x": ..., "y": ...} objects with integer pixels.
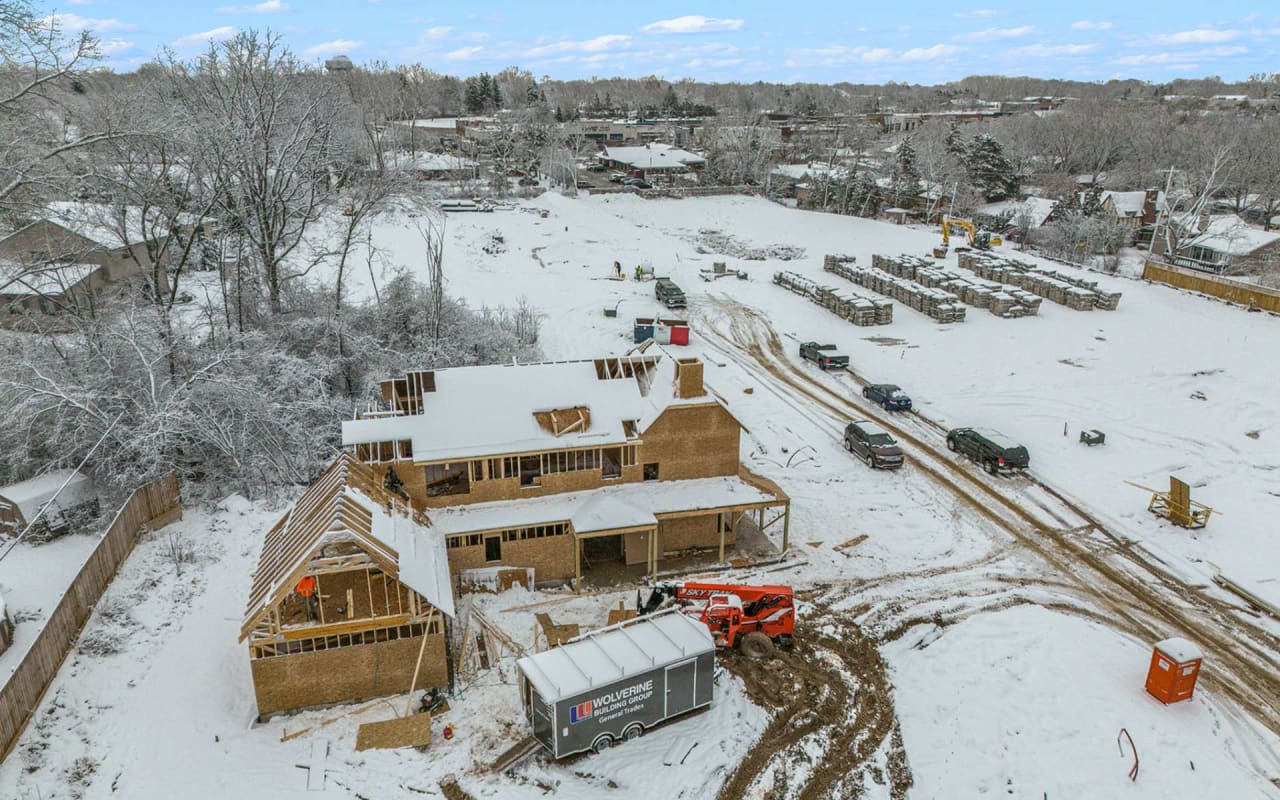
[
  {"x": 410, "y": 731},
  {"x": 1079, "y": 299},
  {"x": 556, "y": 634},
  {"x": 796, "y": 283},
  {"x": 1107, "y": 301}
]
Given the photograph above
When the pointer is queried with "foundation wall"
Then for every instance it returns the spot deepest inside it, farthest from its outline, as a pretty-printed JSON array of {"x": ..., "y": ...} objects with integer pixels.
[
  {"x": 551, "y": 557},
  {"x": 346, "y": 674}
]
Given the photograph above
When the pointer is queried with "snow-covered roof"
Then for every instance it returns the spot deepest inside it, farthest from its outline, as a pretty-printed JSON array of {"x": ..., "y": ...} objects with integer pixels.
[
  {"x": 1037, "y": 209},
  {"x": 871, "y": 428},
  {"x": 109, "y": 226},
  {"x": 1180, "y": 649},
  {"x": 490, "y": 410},
  {"x": 608, "y": 512},
  {"x": 30, "y": 495},
  {"x": 1130, "y": 204},
  {"x": 430, "y": 162},
  {"x": 615, "y": 653},
  {"x": 1231, "y": 235},
  {"x": 627, "y": 505},
  {"x": 800, "y": 171},
  {"x": 20, "y": 279},
  {"x": 653, "y": 156}
]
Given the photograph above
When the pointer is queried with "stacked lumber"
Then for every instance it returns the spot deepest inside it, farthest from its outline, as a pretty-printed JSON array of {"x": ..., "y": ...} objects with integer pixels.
[
  {"x": 1068, "y": 290},
  {"x": 856, "y": 307},
  {"x": 938, "y": 304}
]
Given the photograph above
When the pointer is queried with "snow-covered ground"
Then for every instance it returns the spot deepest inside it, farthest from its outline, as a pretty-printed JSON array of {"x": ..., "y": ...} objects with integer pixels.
[
  {"x": 1014, "y": 695},
  {"x": 32, "y": 582}
]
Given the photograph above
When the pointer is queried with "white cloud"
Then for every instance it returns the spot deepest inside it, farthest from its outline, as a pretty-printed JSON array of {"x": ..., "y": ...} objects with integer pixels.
[
  {"x": 1197, "y": 36},
  {"x": 977, "y": 13},
  {"x": 438, "y": 32},
  {"x": 113, "y": 46},
  {"x": 214, "y": 35},
  {"x": 267, "y": 7},
  {"x": 74, "y": 23},
  {"x": 611, "y": 40},
  {"x": 929, "y": 53},
  {"x": 1182, "y": 56},
  {"x": 1089, "y": 25},
  {"x": 464, "y": 53},
  {"x": 693, "y": 24},
  {"x": 1052, "y": 50},
  {"x": 333, "y": 48},
  {"x": 997, "y": 33}
]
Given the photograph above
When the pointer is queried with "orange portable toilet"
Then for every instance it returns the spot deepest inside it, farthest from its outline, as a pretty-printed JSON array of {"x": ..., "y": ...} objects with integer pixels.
[{"x": 1175, "y": 665}]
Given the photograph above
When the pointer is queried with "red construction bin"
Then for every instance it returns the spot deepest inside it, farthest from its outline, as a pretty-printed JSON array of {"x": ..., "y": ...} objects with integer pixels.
[
  {"x": 679, "y": 334},
  {"x": 1175, "y": 665}
]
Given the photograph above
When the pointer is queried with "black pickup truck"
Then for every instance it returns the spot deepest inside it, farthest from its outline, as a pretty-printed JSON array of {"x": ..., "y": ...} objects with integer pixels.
[{"x": 826, "y": 356}]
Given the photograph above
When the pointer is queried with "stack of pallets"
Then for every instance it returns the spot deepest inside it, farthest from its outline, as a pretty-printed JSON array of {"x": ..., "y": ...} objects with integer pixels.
[
  {"x": 1068, "y": 290},
  {"x": 938, "y": 304},
  {"x": 856, "y": 307}
]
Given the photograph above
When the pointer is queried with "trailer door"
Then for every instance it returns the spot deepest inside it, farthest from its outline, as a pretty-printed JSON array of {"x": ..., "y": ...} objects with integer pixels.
[
  {"x": 681, "y": 680},
  {"x": 543, "y": 723}
]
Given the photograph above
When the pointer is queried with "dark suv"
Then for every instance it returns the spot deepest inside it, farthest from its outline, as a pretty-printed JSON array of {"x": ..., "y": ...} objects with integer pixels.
[
  {"x": 873, "y": 444},
  {"x": 887, "y": 396},
  {"x": 991, "y": 449}
]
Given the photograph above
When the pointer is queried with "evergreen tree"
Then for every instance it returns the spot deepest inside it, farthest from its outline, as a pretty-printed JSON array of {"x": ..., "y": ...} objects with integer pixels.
[
  {"x": 495, "y": 94},
  {"x": 956, "y": 145},
  {"x": 990, "y": 171},
  {"x": 906, "y": 174},
  {"x": 531, "y": 94},
  {"x": 474, "y": 97},
  {"x": 1091, "y": 203},
  {"x": 670, "y": 102}
]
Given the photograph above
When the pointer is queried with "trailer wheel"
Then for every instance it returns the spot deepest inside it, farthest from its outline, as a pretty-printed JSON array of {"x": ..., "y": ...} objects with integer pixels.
[
  {"x": 756, "y": 645},
  {"x": 632, "y": 732},
  {"x": 603, "y": 742}
]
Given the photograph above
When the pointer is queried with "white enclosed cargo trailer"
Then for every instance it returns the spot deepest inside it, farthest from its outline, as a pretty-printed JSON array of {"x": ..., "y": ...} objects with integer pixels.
[{"x": 617, "y": 682}]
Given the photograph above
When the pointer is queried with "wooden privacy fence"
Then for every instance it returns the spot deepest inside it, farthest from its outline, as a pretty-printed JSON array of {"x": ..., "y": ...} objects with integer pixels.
[
  {"x": 1246, "y": 294},
  {"x": 149, "y": 507}
]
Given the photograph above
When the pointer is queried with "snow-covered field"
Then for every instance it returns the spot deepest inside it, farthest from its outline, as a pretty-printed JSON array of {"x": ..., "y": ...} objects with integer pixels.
[{"x": 1020, "y": 687}]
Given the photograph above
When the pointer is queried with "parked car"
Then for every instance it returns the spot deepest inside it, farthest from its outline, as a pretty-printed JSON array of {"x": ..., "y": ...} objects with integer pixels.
[
  {"x": 887, "y": 396},
  {"x": 668, "y": 293},
  {"x": 873, "y": 444},
  {"x": 640, "y": 183},
  {"x": 618, "y": 177},
  {"x": 992, "y": 449},
  {"x": 824, "y": 355}
]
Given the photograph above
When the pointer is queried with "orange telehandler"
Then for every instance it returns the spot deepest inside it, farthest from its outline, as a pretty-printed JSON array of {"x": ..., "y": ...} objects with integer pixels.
[{"x": 751, "y": 618}]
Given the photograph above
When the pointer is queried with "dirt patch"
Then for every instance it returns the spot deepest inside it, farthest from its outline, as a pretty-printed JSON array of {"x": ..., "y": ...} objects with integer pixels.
[
  {"x": 884, "y": 341},
  {"x": 832, "y": 692}
]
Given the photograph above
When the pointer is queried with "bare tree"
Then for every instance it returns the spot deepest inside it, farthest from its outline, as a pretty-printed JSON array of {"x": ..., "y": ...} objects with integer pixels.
[{"x": 272, "y": 128}]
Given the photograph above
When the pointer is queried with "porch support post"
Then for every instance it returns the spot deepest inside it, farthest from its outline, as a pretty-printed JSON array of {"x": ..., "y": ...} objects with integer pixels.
[
  {"x": 720, "y": 523},
  {"x": 786, "y": 527},
  {"x": 577, "y": 563}
]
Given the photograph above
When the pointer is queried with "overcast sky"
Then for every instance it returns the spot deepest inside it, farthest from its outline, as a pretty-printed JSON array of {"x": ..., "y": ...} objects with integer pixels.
[{"x": 796, "y": 40}]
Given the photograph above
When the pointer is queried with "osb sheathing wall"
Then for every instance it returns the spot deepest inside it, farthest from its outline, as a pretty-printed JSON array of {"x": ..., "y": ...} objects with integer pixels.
[
  {"x": 687, "y": 441},
  {"x": 551, "y": 557},
  {"x": 692, "y": 441},
  {"x": 683, "y": 533},
  {"x": 346, "y": 674}
]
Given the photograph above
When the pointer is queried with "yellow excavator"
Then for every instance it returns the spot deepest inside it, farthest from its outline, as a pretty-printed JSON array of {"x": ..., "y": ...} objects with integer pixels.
[{"x": 979, "y": 239}]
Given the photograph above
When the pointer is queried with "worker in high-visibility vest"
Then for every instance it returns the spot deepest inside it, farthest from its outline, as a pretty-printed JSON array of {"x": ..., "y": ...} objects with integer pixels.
[{"x": 307, "y": 589}]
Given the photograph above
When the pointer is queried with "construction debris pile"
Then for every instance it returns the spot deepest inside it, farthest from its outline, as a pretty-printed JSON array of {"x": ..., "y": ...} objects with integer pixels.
[
  {"x": 999, "y": 299},
  {"x": 940, "y": 305},
  {"x": 1068, "y": 290},
  {"x": 855, "y": 307}
]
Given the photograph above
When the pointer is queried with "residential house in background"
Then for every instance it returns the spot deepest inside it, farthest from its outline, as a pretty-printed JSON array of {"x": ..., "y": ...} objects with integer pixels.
[
  {"x": 1227, "y": 243},
  {"x": 77, "y": 256},
  {"x": 652, "y": 160}
]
